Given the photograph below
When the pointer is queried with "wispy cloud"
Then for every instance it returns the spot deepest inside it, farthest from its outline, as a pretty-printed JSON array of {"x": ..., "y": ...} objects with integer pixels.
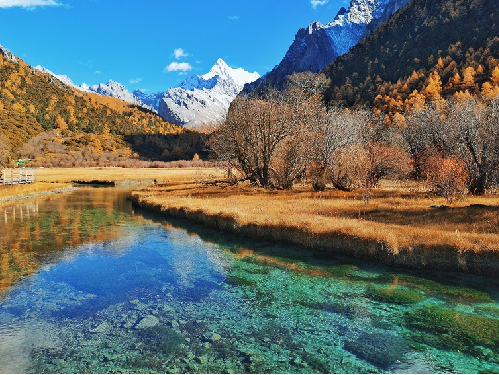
[
  {"x": 179, "y": 52},
  {"x": 178, "y": 67},
  {"x": 98, "y": 72},
  {"x": 28, "y": 4},
  {"x": 316, "y": 3},
  {"x": 234, "y": 18},
  {"x": 136, "y": 80}
]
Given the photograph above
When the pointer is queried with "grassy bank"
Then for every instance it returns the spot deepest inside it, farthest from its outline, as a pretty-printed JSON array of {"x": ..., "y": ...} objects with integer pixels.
[
  {"x": 402, "y": 225},
  {"x": 122, "y": 176},
  {"x": 57, "y": 180},
  {"x": 17, "y": 193}
]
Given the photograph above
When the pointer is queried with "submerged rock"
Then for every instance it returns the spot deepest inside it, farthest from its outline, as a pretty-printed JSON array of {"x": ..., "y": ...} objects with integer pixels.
[{"x": 147, "y": 322}]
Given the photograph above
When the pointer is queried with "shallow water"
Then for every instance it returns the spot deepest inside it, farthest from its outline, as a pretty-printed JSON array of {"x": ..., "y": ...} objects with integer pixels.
[{"x": 89, "y": 285}]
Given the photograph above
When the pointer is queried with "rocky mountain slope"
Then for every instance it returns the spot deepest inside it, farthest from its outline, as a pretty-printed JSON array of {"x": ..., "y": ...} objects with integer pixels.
[
  {"x": 318, "y": 45},
  {"x": 112, "y": 89},
  {"x": 204, "y": 100}
]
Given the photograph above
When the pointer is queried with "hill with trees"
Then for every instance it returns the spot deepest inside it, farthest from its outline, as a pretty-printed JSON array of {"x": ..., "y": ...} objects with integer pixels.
[
  {"x": 429, "y": 48},
  {"x": 40, "y": 117}
]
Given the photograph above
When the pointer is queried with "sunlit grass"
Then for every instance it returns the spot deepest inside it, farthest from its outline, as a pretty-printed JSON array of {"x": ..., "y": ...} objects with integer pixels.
[
  {"x": 398, "y": 217},
  {"x": 20, "y": 192}
]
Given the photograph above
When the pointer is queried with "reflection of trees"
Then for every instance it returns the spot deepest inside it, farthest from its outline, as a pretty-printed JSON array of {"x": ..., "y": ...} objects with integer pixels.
[{"x": 36, "y": 233}]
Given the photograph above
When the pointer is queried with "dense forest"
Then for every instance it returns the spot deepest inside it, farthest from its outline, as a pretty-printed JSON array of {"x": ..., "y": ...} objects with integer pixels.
[
  {"x": 43, "y": 119},
  {"x": 447, "y": 46}
]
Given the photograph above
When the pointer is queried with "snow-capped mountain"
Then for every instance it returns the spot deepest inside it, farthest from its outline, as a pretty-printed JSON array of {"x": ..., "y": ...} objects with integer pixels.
[
  {"x": 7, "y": 54},
  {"x": 318, "y": 45},
  {"x": 64, "y": 79},
  {"x": 115, "y": 90},
  {"x": 149, "y": 100},
  {"x": 112, "y": 88},
  {"x": 204, "y": 100}
]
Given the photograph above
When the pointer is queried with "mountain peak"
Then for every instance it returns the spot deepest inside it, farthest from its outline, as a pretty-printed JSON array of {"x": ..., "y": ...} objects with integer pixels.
[
  {"x": 317, "y": 45},
  {"x": 204, "y": 100},
  {"x": 225, "y": 72}
]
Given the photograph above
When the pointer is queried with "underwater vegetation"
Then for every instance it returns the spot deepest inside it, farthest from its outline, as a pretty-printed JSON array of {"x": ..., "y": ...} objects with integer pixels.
[
  {"x": 447, "y": 329},
  {"x": 397, "y": 295}
]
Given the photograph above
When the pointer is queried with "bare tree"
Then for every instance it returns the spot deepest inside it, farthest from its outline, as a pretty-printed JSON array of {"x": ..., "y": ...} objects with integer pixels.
[
  {"x": 250, "y": 136},
  {"x": 474, "y": 128},
  {"x": 334, "y": 132}
]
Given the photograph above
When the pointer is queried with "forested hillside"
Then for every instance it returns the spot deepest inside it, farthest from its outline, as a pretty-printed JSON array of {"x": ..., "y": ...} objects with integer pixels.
[
  {"x": 43, "y": 118},
  {"x": 429, "y": 48}
]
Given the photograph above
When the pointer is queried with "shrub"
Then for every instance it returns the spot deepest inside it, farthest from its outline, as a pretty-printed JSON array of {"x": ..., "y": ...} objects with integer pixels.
[{"x": 447, "y": 175}]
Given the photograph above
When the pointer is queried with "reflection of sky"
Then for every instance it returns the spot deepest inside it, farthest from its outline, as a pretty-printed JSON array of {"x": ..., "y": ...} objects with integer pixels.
[{"x": 189, "y": 252}]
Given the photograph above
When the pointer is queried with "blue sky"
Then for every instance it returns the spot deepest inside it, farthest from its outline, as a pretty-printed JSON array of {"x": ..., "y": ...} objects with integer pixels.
[{"x": 154, "y": 44}]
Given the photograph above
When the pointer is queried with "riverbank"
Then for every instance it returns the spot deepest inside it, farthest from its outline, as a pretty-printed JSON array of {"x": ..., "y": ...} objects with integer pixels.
[
  {"x": 403, "y": 226},
  {"x": 50, "y": 181},
  {"x": 10, "y": 194},
  {"x": 125, "y": 176}
]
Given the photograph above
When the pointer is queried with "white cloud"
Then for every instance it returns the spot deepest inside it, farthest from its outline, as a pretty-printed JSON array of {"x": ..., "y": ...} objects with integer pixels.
[
  {"x": 315, "y": 3},
  {"x": 179, "y": 52},
  {"x": 176, "y": 67},
  {"x": 27, "y": 3},
  {"x": 136, "y": 80},
  {"x": 234, "y": 18}
]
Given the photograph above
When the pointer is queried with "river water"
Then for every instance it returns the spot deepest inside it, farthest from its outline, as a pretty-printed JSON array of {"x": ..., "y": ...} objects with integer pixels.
[{"x": 88, "y": 285}]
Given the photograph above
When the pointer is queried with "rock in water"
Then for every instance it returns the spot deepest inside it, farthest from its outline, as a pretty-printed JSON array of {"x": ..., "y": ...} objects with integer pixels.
[{"x": 147, "y": 322}]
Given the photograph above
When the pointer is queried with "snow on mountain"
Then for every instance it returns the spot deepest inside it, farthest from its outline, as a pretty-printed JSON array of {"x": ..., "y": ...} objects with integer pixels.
[
  {"x": 149, "y": 100},
  {"x": 319, "y": 45},
  {"x": 204, "y": 100},
  {"x": 115, "y": 90},
  {"x": 7, "y": 54},
  {"x": 64, "y": 79},
  {"x": 112, "y": 88}
]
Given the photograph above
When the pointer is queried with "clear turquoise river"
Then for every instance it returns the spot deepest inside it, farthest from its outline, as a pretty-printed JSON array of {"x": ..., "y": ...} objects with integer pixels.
[{"x": 90, "y": 285}]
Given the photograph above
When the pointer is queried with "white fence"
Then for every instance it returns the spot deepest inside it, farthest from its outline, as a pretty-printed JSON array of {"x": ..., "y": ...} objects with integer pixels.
[{"x": 17, "y": 176}]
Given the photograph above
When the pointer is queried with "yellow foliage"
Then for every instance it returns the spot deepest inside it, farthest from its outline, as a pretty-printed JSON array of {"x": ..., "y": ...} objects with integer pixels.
[
  {"x": 469, "y": 75},
  {"x": 18, "y": 107},
  {"x": 490, "y": 91},
  {"x": 495, "y": 76},
  {"x": 60, "y": 123},
  {"x": 8, "y": 94},
  {"x": 433, "y": 89}
]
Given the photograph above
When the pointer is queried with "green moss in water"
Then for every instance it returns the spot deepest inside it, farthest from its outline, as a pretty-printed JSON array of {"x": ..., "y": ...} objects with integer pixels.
[
  {"x": 444, "y": 328},
  {"x": 379, "y": 349},
  {"x": 335, "y": 307},
  {"x": 462, "y": 294},
  {"x": 400, "y": 296},
  {"x": 161, "y": 339},
  {"x": 240, "y": 281},
  {"x": 342, "y": 271},
  {"x": 491, "y": 311}
]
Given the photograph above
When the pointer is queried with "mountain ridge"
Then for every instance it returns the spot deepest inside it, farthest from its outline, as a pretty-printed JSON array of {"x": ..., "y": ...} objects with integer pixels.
[{"x": 316, "y": 46}]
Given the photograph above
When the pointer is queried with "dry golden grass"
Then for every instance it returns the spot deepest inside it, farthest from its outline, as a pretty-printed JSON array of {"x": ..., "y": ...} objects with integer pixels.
[
  {"x": 9, "y": 193},
  {"x": 397, "y": 218},
  {"x": 161, "y": 175}
]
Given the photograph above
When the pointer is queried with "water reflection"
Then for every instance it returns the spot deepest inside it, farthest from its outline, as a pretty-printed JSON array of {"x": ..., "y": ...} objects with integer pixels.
[
  {"x": 41, "y": 231},
  {"x": 129, "y": 292}
]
